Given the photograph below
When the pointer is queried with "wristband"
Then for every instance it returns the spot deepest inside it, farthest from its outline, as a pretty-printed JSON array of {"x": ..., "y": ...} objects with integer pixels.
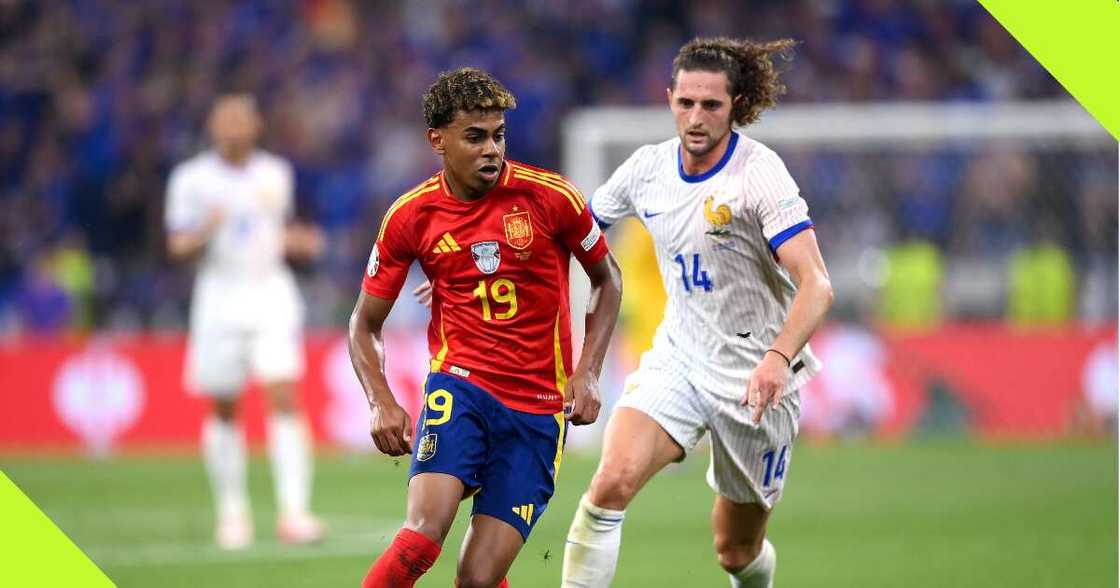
[{"x": 788, "y": 362}]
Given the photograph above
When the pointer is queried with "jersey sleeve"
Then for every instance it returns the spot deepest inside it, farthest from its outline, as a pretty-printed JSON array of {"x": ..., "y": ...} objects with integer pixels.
[
  {"x": 183, "y": 210},
  {"x": 776, "y": 200},
  {"x": 614, "y": 201},
  {"x": 389, "y": 258},
  {"x": 581, "y": 233}
]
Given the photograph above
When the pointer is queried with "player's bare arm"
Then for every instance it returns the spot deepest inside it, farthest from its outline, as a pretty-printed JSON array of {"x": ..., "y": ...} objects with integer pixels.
[
  {"x": 390, "y": 425},
  {"x": 187, "y": 244},
  {"x": 801, "y": 257},
  {"x": 602, "y": 313},
  {"x": 303, "y": 241}
]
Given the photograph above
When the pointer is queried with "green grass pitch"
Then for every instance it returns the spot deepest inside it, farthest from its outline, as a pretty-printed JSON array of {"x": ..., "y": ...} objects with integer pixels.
[{"x": 946, "y": 513}]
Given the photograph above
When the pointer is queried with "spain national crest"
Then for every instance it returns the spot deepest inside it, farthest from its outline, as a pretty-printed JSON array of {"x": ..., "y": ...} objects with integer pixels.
[
  {"x": 427, "y": 447},
  {"x": 486, "y": 256},
  {"x": 519, "y": 229}
]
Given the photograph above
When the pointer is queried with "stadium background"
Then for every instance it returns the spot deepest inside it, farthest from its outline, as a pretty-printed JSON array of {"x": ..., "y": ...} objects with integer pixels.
[{"x": 964, "y": 429}]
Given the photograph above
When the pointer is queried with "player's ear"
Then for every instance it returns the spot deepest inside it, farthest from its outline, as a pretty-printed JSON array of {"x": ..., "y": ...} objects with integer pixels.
[
  {"x": 435, "y": 138},
  {"x": 669, "y": 95}
]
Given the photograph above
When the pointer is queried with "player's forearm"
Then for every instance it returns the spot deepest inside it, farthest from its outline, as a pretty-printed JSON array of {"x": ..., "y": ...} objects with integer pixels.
[
  {"x": 602, "y": 314},
  {"x": 186, "y": 245},
  {"x": 806, "y": 314},
  {"x": 367, "y": 355}
]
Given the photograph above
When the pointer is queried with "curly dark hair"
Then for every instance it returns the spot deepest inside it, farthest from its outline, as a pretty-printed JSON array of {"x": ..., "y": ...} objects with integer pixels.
[
  {"x": 468, "y": 89},
  {"x": 749, "y": 68}
]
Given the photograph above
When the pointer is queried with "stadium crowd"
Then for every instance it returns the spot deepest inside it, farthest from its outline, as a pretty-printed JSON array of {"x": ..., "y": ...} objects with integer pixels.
[{"x": 99, "y": 98}]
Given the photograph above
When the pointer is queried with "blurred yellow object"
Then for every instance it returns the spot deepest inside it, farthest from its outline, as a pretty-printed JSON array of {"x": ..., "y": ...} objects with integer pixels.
[
  {"x": 643, "y": 299},
  {"x": 1041, "y": 286},
  {"x": 911, "y": 297},
  {"x": 72, "y": 268}
]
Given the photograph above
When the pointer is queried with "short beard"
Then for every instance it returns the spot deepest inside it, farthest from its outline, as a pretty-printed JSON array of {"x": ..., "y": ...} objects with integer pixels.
[{"x": 701, "y": 153}]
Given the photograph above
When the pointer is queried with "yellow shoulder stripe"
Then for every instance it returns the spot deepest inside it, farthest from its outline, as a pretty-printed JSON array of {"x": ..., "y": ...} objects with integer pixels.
[
  {"x": 424, "y": 188},
  {"x": 567, "y": 190},
  {"x": 554, "y": 178}
]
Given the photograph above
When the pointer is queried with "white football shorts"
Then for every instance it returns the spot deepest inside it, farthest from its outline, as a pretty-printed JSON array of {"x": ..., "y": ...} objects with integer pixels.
[
  {"x": 749, "y": 463},
  {"x": 219, "y": 362}
]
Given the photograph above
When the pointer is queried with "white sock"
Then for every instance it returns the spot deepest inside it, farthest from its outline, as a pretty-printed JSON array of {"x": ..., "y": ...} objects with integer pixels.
[
  {"x": 591, "y": 554},
  {"x": 290, "y": 451},
  {"x": 760, "y": 572},
  {"x": 223, "y": 450}
]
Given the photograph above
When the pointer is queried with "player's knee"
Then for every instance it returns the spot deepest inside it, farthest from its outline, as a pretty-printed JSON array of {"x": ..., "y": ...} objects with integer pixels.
[
  {"x": 614, "y": 487},
  {"x": 282, "y": 397},
  {"x": 734, "y": 555},
  {"x": 225, "y": 409},
  {"x": 432, "y": 529}
]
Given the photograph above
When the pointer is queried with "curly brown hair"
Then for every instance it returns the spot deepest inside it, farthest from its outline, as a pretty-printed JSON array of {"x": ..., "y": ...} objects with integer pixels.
[
  {"x": 468, "y": 89},
  {"x": 749, "y": 67}
]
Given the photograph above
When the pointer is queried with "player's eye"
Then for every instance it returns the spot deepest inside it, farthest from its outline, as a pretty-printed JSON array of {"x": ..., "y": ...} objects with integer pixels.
[
  {"x": 712, "y": 104},
  {"x": 685, "y": 103}
]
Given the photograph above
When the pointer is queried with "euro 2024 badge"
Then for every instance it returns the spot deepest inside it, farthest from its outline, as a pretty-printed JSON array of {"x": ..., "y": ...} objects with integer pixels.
[
  {"x": 374, "y": 258},
  {"x": 486, "y": 256}
]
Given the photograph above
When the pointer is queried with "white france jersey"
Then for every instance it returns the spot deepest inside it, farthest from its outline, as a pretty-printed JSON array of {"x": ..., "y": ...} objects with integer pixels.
[
  {"x": 715, "y": 235},
  {"x": 243, "y": 280}
]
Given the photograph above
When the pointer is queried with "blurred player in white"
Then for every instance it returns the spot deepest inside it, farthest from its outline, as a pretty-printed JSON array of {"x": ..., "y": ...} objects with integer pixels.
[
  {"x": 230, "y": 209},
  {"x": 746, "y": 289}
]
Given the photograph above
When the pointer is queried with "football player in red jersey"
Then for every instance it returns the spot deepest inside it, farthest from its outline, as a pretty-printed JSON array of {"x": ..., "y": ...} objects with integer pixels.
[{"x": 495, "y": 238}]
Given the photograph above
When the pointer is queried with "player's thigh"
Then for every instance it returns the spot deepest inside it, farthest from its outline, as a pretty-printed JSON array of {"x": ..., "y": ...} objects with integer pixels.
[
  {"x": 749, "y": 463},
  {"x": 519, "y": 478},
  {"x": 489, "y": 549},
  {"x": 277, "y": 357},
  {"x": 655, "y": 422},
  {"x": 217, "y": 362},
  {"x": 635, "y": 447},
  {"x": 433, "y": 501}
]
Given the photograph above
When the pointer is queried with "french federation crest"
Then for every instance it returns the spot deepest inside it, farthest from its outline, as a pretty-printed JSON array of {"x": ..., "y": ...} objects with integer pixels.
[
  {"x": 427, "y": 447},
  {"x": 374, "y": 260},
  {"x": 719, "y": 217},
  {"x": 486, "y": 256},
  {"x": 519, "y": 229}
]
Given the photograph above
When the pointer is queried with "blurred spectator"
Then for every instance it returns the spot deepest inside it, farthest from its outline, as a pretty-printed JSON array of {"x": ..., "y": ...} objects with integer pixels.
[
  {"x": 1041, "y": 282},
  {"x": 42, "y": 305},
  {"x": 911, "y": 297}
]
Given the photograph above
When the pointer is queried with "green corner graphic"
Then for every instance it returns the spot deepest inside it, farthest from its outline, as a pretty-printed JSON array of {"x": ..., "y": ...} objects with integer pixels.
[
  {"x": 1077, "y": 41},
  {"x": 36, "y": 552}
]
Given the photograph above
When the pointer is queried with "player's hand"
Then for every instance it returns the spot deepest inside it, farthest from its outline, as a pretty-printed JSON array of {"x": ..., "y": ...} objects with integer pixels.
[
  {"x": 304, "y": 241},
  {"x": 583, "y": 405},
  {"x": 423, "y": 293},
  {"x": 212, "y": 222},
  {"x": 391, "y": 429},
  {"x": 764, "y": 390}
]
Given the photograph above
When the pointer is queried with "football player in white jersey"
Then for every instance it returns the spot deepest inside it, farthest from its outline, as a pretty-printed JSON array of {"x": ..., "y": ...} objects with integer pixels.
[
  {"x": 746, "y": 288},
  {"x": 229, "y": 208}
]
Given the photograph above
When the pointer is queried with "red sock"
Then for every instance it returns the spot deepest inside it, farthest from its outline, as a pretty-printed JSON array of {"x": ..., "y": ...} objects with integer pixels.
[{"x": 407, "y": 558}]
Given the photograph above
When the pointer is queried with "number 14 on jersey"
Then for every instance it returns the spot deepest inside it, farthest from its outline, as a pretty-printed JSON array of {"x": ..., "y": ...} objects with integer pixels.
[{"x": 699, "y": 276}]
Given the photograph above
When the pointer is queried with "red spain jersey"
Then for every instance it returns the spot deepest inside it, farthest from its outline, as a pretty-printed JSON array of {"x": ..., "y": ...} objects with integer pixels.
[{"x": 499, "y": 273}]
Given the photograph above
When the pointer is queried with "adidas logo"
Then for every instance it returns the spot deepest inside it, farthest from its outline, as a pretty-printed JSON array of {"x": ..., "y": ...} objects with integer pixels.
[
  {"x": 446, "y": 245},
  {"x": 525, "y": 511}
]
